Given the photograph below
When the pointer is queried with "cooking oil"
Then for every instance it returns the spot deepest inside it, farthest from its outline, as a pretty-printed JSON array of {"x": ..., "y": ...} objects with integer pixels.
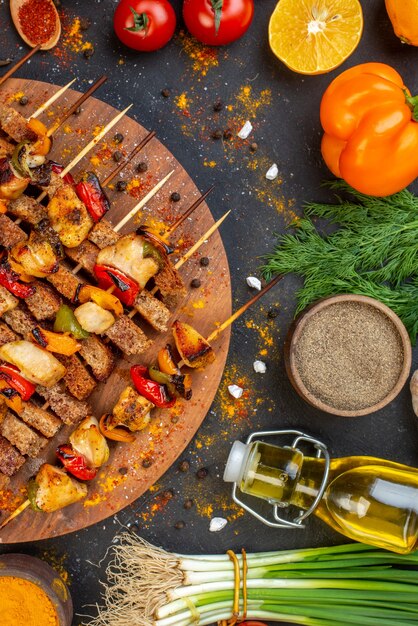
[{"x": 371, "y": 500}]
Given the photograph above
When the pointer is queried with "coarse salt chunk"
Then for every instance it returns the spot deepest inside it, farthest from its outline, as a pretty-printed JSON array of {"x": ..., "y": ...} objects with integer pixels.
[
  {"x": 235, "y": 391},
  {"x": 245, "y": 130},
  {"x": 254, "y": 283},
  {"x": 217, "y": 523},
  {"x": 272, "y": 172},
  {"x": 259, "y": 367}
]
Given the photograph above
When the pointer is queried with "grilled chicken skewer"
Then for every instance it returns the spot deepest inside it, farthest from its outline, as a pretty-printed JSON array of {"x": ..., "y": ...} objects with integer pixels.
[
  {"x": 25, "y": 162},
  {"x": 132, "y": 411},
  {"x": 54, "y": 488},
  {"x": 160, "y": 384}
]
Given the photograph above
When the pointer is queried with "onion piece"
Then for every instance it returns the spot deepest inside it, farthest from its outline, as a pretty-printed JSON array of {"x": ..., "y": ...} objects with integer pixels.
[{"x": 94, "y": 318}]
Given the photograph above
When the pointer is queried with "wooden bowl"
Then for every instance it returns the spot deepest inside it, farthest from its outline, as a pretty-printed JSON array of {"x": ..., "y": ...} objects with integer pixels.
[
  {"x": 294, "y": 335},
  {"x": 45, "y": 577}
]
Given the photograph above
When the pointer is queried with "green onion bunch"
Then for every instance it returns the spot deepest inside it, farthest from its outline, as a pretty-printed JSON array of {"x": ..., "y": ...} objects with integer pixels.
[{"x": 346, "y": 585}]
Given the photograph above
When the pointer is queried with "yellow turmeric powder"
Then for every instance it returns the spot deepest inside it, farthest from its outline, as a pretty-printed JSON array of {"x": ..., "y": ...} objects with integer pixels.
[{"x": 24, "y": 603}]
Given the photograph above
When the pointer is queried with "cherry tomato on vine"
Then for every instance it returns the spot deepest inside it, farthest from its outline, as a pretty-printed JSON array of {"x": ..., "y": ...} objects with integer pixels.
[
  {"x": 144, "y": 25},
  {"x": 218, "y": 22}
]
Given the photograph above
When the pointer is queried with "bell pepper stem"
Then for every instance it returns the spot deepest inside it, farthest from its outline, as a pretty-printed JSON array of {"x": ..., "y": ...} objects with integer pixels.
[{"x": 412, "y": 102}]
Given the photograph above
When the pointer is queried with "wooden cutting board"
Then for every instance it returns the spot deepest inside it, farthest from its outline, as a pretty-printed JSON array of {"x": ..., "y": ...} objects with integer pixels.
[{"x": 132, "y": 468}]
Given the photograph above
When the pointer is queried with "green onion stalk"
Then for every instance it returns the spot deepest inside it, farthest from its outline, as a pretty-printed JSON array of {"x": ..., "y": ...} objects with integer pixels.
[{"x": 346, "y": 585}]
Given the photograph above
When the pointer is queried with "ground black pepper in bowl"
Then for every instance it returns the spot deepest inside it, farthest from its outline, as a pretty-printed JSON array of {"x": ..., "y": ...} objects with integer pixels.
[{"x": 349, "y": 356}]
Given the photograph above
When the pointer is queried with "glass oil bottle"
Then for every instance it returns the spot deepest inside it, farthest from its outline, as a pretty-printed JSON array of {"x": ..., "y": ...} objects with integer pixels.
[{"x": 367, "y": 499}]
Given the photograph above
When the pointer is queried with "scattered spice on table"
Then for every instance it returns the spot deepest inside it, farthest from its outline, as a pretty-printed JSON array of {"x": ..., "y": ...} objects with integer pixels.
[
  {"x": 349, "y": 355},
  {"x": 203, "y": 57},
  {"x": 37, "y": 20}
]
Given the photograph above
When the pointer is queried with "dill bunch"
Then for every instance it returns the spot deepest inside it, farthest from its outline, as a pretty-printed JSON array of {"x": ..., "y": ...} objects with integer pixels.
[{"x": 372, "y": 251}]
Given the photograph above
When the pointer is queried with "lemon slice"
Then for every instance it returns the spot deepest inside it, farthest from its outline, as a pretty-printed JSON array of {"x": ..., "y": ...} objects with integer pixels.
[{"x": 315, "y": 36}]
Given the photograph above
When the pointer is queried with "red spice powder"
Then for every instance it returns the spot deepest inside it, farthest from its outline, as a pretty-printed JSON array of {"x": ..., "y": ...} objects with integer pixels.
[{"x": 37, "y": 20}]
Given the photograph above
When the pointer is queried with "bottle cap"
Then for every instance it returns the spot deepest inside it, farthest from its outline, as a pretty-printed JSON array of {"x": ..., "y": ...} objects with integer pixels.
[{"x": 236, "y": 462}]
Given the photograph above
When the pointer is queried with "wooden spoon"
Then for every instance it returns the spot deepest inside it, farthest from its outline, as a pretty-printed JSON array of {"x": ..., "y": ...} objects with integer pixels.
[{"x": 15, "y": 5}]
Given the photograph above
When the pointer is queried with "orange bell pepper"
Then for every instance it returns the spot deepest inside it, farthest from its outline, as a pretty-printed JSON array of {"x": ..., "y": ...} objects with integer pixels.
[
  {"x": 103, "y": 298},
  {"x": 371, "y": 129},
  {"x": 60, "y": 343},
  {"x": 44, "y": 143}
]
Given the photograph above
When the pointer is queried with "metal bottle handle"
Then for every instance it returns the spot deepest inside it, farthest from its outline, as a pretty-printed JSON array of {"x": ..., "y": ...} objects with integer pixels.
[{"x": 281, "y": 522}]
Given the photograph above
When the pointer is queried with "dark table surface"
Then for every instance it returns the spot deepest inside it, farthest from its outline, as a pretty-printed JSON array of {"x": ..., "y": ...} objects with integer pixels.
[{"x": 283, "y": 107}]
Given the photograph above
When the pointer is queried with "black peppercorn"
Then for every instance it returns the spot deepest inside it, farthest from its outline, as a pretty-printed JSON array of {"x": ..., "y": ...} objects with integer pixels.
[
  {"x": 218, "y": 106},
  {"x": 117, "y": 156},
  {"x": 134, "y": 528},
  {"x": 175, "y": 196},
  {"x": 184, "y": 466},
  {"x": 179, "y": 525},
  {"x": 217, "y": 134},
  {"x": 118, "y": 138},
  {"x": 77, "y": 111},
  {"x": 88, "y": 52},
  {"x": 123, "y": 471},
  {"x": 121, "y": 185},
  {"x": 23, "y": 100},
  {"x": 202, "y": 473},
  {"x": 272, "y": 313},
  {"x": 188, "y": 504},
  {"x": 204, "y": 261},
  {"x": 146, "y": 463},
  {"x": 168, "y": 494},
  {"x": 227, "y": 134},
  {"x": 195, "y": 283},
  {"x": 166, "y": 93},
  {"x": 85, "y": 23},
  {"x": 254, "y": 147},
  {"x": 142, "y": 167}
]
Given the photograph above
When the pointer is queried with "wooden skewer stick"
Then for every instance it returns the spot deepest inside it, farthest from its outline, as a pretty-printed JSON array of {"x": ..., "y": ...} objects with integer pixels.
[
  {"x": 129, "y": 158},
  {"x": 189, "y": 253},
  {"x": 201, "y": 241},
  {"x": 215, "y": 334},
  {"x": 76, "y": 104},
  {"x": 52, "y": 99},
  {"x": 189, "y": 211},
  {"x": 15, "y": 513},
  {"x": 89, "y": 146},
  {"x": 16, "y": 66},
  {"x": 142, "y": 203}
]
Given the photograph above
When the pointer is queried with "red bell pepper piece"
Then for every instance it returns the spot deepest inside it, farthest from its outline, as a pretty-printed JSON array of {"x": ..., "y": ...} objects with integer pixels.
[
  {"x": 57, "y": 169},
  {"x": 90, "y": 192},
  {"x": 10, "y": 373},
  {"x": 126, "y": 288},
  {"x": 10, "y": 280},
  {"x": 75, "y": 463},
  {"x": 151, "y": 390}
]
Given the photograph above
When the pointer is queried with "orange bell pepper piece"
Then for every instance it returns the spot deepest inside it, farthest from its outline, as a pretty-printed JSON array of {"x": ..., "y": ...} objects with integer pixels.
[
  {"x": 103, "y": 298},
  {"x": 44, "y": 143},
  {"x": 55, "y": 342},
  {"x": 371, "y": 129},
  {"x": 11, "y": 397}
]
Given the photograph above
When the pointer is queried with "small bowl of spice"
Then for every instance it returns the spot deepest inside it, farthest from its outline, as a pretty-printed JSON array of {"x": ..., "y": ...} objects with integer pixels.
[
  {"x": 348, "y": 355},
  {"x": 32, "y": 593}
]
